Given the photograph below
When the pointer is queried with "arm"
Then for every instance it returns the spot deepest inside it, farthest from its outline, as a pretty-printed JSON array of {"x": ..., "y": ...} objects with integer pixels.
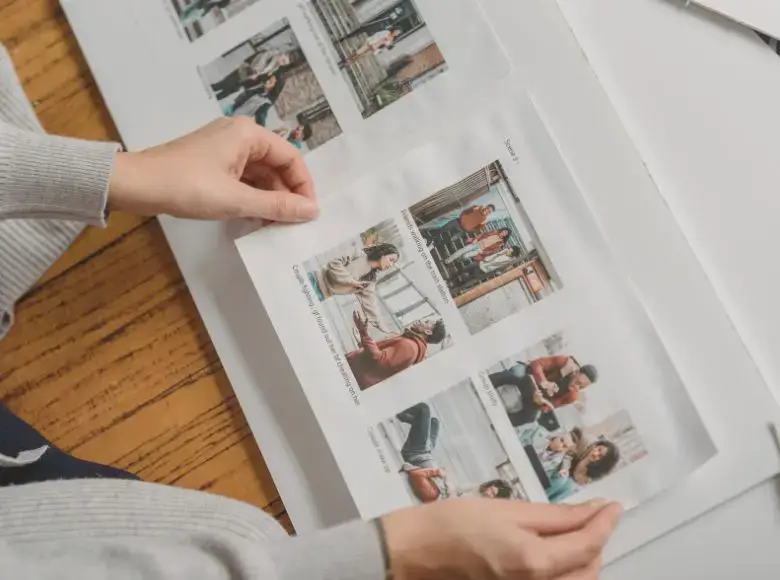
[
  {"x": 42, "y": 176},
  {"x": 429, "y": 472},
  {"x": 366, "y": 296},
  {"x": 337, "y": 272},
  {"x": 126, "y": 530},
  {"x": 539, "y": 367}
]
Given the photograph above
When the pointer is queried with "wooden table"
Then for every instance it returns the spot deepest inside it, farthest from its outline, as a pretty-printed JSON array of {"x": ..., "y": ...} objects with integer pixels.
[{"x": 109, "y": 358}]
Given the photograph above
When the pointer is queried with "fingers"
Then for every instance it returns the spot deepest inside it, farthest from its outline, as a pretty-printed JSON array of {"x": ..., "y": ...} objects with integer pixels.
[
  {"x": 590, "y": 572},
  {"x": 579, "y": 549},
  {"x": 278, "y": 206},
  {"x": 271, "y": 150},
  {"x": 545, "y": 519}
]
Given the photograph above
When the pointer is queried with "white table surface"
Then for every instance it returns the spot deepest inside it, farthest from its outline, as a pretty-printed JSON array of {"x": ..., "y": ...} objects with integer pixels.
[
  {"x": 698, "y": 96},
  {"x": 706, "y": 120}
]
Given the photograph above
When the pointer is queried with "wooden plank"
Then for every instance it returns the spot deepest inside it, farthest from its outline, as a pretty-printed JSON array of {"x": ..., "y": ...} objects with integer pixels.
[{"x": 111, "y": 361}]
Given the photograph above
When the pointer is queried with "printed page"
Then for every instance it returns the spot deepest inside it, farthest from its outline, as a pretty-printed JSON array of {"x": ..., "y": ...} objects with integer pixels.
[
  {"x": 351, "y": 84},
  {"x": 461, "y": 328}
]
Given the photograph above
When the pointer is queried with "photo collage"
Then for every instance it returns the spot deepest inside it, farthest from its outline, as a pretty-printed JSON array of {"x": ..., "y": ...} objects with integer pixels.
[
  {"x": 476, "y": 241},
  {"x": 383, "y": 50}
]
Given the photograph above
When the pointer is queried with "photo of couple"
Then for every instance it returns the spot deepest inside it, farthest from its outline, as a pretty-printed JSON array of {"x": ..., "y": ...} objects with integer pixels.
[
  {"x": 572, "y": 437},
  {"x": 447, "y": 448},
  {"x": 485, "y": 248},
  {"x": 197, "y": 17},
  {"x": 383, "y": 48},
  {"x": 368, "y": 290},
  {"x": 269, "y": 79}
]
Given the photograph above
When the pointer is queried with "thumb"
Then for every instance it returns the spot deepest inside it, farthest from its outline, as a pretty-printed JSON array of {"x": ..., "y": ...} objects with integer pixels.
[
  {"x": 548, "y": 519},
  {"x": 273, "y": 205}
]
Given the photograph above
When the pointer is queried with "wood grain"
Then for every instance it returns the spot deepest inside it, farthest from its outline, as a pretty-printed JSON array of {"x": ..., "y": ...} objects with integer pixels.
[{"x": 108, "y": 357}]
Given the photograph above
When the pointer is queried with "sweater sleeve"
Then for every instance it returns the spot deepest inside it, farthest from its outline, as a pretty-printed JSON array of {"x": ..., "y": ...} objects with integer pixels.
[
  {"x": 42, "y": 176},
  {"x": 90, "y": 530}
]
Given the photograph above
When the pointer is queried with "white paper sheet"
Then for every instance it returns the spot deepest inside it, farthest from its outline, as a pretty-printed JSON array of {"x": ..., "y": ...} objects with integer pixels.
[{"x": 585, "y": 310}]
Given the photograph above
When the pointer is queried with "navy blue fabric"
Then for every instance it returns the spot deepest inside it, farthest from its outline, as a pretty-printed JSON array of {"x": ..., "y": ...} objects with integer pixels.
[{"x": 17, "y": 436}]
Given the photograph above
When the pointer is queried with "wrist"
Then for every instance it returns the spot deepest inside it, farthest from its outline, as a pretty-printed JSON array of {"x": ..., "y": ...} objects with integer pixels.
[{"x": 128, "y": 187}]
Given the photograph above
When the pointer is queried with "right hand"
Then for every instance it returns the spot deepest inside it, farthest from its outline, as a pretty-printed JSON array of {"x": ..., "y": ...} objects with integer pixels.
[{"x": 490, "y": 539}]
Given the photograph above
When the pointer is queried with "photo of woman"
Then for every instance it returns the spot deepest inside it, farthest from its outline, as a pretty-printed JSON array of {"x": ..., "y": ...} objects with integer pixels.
[
  {"x": 356, "y": 274},
  {"x": 446, "y": 447},
  {"x": 573, "y": 434},
  {"x": 485, "y": 247},
  {"x": 269, "y": 78},
  {"x": 429, "y": 481},
  {"x": 381, "y": 318},
  {"x": 481, "y": 247},
  {"x": 586, "y": 464}
]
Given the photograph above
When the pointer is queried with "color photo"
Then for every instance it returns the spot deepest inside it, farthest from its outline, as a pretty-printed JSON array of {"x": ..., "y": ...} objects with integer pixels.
[
  {"x": 269, "y": 79},
  {"x": 485, "y": 248}
]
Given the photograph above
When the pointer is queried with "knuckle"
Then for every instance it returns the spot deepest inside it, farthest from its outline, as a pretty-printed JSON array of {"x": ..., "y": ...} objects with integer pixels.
[
  {"x": 538, "y": 564},
  {"x": 281, "y": 207}
]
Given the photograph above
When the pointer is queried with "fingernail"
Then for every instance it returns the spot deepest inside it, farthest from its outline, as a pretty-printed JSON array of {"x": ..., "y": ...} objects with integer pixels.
[
  {"x": 596, "y": 503},
  {"x": 307, "y": 209}
]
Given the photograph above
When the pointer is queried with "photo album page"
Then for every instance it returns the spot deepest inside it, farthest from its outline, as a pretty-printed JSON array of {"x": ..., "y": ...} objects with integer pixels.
[
  {"x": 351, "y": 84},
  {"x": 461, "y": 328}
]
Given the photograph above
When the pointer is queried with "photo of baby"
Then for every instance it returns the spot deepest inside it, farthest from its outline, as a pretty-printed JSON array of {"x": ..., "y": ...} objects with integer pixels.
[
  {"x": 446, "y": 447},
  {"x": 384, "y": 49},
  {"x": 197, "y": 17},
  {"x": 269, "y": 79},
  {"x": 485, "y": 248},
  {"x": 571, "y": 436},
  {"x": 368, "y": 290}
]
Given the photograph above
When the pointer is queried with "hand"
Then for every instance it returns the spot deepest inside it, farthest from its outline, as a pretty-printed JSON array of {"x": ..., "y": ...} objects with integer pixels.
[
  {"x": 564, "y": 473},
  {"x": 360, "y": 322},
  {"x": 493, "y": 539},
  {"x": 539, "y": 399},
  {"x": 231, "y": 168},
  {"x": 549, "y": 387}
]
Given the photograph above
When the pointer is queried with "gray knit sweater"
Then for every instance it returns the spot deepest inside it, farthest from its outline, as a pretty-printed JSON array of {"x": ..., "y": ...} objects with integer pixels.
[{"x": 101, "y": 529}]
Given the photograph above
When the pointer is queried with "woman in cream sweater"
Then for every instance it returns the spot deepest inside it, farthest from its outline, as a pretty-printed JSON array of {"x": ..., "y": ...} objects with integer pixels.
[{"x": 67, "y": 519}]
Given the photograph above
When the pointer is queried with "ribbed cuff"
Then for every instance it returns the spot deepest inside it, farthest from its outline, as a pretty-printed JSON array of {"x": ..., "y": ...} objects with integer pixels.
[
  {"x": 42, "y": 176},
  {"x": 349, "y": 552}
]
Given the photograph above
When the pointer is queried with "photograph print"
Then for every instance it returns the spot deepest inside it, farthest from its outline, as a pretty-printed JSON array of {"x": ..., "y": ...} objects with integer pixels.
[
  {"x": 384, "y": 49},
  {"x": 269, "y": 79},
  {"x": 485, "y": 248},
  {"x": 368, "y": 289},
  {"x": 197, "y": 17},
  {"x": 447, "y": 447},
  {"x": 571, "y": 436}
]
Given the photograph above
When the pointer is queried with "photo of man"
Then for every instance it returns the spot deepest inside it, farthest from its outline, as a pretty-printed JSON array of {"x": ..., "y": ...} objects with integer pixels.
[
  {"x": 197, "y": 17},
  {"x": 446, "y": 448},
  {"x": 376, "y": 361},
  {"x": 368, "y": 288},
  {"x": 269, "y": 79},
  {"x": 485, "y": 248},
  {"x": 384, "y": 49},
  {"x": 572, "y": 431}
]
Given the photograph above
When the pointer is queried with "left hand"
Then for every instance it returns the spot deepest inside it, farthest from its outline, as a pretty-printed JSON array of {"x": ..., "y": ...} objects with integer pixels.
[{"x": 231, "y": 168}]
